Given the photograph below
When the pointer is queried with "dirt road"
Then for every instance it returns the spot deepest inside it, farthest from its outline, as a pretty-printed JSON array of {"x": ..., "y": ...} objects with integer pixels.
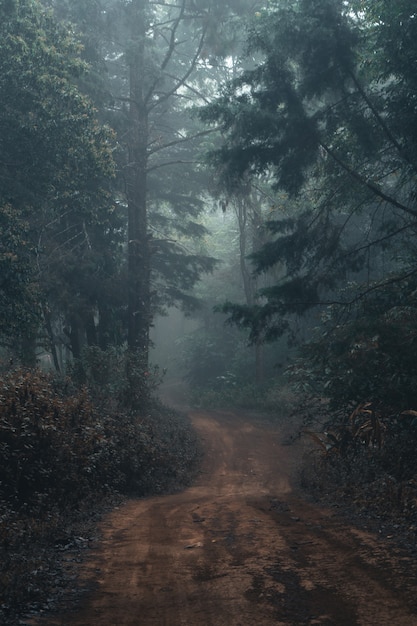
[{"x": 239, "y": 548}]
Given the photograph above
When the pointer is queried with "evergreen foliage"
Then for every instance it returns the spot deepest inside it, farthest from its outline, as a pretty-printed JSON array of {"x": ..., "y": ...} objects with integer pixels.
[
  {"x": 326, "y": 115},
  {"x": 367, "y": 353},
  {"x": 56, "y": 161},
  {"x": 153, "y": 56}
]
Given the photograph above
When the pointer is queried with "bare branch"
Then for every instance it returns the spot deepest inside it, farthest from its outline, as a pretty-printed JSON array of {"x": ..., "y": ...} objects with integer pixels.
[
  {"x": 181, "y": 81},
  {"x": 372, "y": 288},
  {"x": 176, "y": 142},
  {"x": 167, "y": 163},
  {"x": 171, "y": 47},
  {"x": 192, "y": 89}
]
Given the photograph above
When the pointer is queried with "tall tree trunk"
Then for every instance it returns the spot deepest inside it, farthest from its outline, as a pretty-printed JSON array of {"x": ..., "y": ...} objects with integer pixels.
[
  {"x": 90, "y": 330},
  {"x": 139, "y": 313},
  {"x": 28, "y": 349},
  {"x": 105, "y": 328},
  {"x": 74, "y": 335},
  {"x": 139, "y": 301},
  {"x": 51, "y": 336},
  {"x": 244, "y": 206}
]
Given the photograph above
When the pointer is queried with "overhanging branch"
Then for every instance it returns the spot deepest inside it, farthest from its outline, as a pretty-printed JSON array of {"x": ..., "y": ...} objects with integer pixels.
[{"x": 377, "y": 191}]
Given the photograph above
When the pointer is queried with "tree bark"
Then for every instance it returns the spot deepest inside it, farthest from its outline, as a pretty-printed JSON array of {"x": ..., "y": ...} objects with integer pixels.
[
  {"x": 139, "y": 306},
  {"x": 51, "y": 336},
  {"x": 244, "y": 206}
]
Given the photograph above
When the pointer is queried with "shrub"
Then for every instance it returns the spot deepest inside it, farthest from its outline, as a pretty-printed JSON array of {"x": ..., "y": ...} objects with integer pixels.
[
  {"x": 368, "y": 356},
  {"x": 56, "y": 447},
  {"x": 114, "y": 375},
  {"x": 60, "y": 459},
  {"x": 368, "y": 458},
  {"x": 273, "y": 397},
  {"x": 51, "y": 445}
]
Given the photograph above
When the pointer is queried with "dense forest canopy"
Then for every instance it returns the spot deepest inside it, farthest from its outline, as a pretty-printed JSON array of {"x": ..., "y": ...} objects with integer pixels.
[
  {"x": 307, "y": 112},
  {"x": 327, "y": 116},
  {"x": 56, "y": 168},
  {"x": 136, "y": 68}
]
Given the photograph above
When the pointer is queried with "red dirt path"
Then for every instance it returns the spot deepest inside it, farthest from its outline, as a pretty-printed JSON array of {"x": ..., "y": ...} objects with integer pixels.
[{"x": 240, "y": 548}]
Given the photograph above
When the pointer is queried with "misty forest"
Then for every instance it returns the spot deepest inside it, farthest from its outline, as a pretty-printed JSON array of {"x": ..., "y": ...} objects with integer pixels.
[{"x": 208, "y": 204}]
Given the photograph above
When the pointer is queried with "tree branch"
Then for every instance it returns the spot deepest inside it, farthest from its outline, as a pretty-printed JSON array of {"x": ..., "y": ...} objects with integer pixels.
[
  {"x": 176, "y": 142},
  {"x": 367, "y": 183},
  {"x": 178, "y": 162},
  {"x": 182, "y": 81},
  {"x": 401, "y": 151},
  {"x": 170, "y": 51}
]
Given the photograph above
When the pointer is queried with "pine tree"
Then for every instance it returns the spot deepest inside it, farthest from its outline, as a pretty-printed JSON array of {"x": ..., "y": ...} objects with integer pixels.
[
  {"x": 321, "y": 117},
  {"x": 160, "y": 60}
]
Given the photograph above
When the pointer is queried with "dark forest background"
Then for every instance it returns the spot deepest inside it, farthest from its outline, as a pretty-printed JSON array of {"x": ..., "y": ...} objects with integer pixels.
[{"x": 218, "y": 197}]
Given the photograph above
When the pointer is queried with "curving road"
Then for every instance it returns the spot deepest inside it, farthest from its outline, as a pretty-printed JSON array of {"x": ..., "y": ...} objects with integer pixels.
[{"x": 239, "y": 548}]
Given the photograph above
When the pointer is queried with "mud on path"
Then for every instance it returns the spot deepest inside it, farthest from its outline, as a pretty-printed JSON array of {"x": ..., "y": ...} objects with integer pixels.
[{"x": 239, "y": 548}]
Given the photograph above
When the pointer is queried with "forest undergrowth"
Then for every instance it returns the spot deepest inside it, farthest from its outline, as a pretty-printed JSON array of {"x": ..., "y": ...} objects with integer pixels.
[
  {"x": 64, "y": 460},
  {"x": 362, "y": 461},
  {"x": 69, "y": 454},
  {"x": 358, "y": 458}
]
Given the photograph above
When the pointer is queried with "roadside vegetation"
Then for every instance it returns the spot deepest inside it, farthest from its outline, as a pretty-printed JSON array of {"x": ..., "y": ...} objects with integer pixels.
[
  {"x": 67, "y": 456},
  {"x": 364, "y": 462}
]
